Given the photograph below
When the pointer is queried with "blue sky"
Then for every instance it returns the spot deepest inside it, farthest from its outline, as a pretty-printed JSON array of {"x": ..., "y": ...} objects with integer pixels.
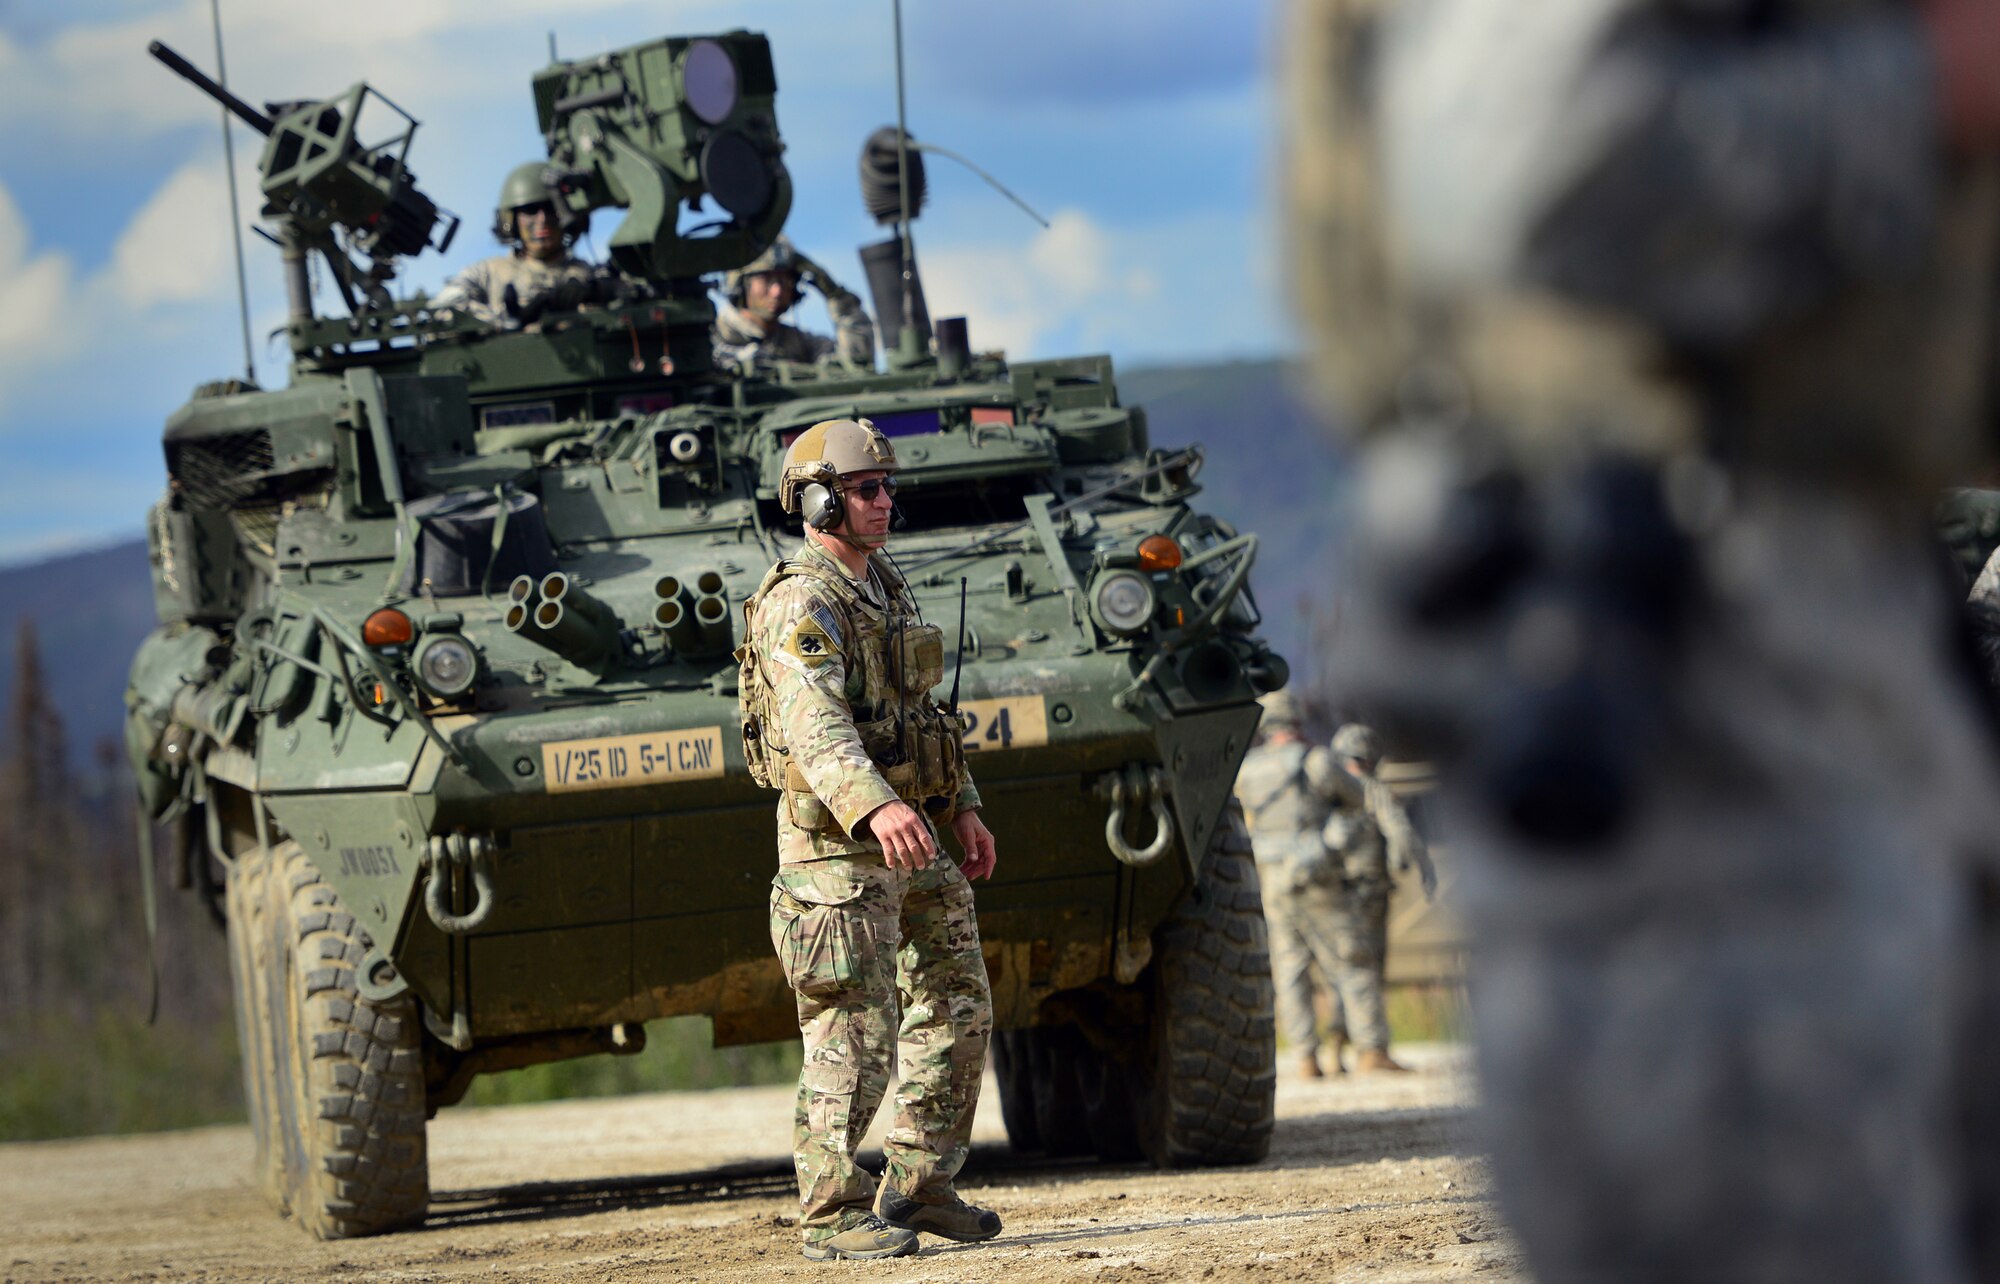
[{"x": 1143, "y": 129}]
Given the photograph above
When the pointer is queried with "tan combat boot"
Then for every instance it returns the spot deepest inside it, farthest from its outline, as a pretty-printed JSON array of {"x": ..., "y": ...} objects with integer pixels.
[
  {"x": 1309, "y": 1066},
  {"x": 1378, "y": 1059},
  {"x": 862, "y": 1237},
  {"x": 956, "y": 1220}
]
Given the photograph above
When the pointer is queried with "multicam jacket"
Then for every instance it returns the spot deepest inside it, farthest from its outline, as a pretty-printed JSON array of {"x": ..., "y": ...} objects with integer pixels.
[
  {"x": 562, "y": 286},
  {"x": 742, "y": 346},
  {"x": 836, "y": 682}
]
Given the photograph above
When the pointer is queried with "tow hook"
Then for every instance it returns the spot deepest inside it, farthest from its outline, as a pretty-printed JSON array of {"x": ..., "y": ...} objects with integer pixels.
[
  {"x": 1139, "y": 784},
  {"x": 447, "y": 853}
]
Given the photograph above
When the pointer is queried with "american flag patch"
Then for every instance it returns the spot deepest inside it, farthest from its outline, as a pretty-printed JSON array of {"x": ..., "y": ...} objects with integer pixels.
[{"x": 823, "y": 616}]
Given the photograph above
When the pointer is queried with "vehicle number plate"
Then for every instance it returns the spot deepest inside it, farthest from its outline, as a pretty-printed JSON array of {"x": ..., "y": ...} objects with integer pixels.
[
  {"x": 615, "y": 762},
  {"x": 1009, "y": 722}
]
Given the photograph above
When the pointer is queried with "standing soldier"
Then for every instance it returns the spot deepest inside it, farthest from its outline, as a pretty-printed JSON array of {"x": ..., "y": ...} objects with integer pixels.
[
  {"x": 1288, "y": 787},
  {"x": 538, "y": 274},
  {"x": 835, "y": 679},
  {"x": 1663, "y": 321},
  {"x": 750, "y": 329},
  {"x": 1367, "y": 835}
]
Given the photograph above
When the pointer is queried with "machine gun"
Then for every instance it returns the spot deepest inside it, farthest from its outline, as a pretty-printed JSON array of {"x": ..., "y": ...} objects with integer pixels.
[
  {"x": 656, "y": 126},
  {"x": 323, "y": 186}
]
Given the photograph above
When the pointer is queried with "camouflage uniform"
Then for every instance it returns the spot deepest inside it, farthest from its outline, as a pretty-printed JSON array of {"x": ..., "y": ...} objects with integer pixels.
[
  {"x": 1367, "y": 836},
  {"x": 562, "y": 286},
  {"x": 1661, "y": 321},
  {"x": 1287, "y": 789},
  {"x": 740, "y": 344},
  {"x": 853, "y": 934}
]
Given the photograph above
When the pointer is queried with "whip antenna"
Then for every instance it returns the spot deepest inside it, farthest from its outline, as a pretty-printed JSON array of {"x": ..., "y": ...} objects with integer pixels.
[
  {"x": 235, "y": 215},
  {"x": 959, "y": 668}
]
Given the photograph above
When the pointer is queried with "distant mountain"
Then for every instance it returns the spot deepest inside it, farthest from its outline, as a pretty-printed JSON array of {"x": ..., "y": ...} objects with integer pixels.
[{"x": 1269, "y": 469}]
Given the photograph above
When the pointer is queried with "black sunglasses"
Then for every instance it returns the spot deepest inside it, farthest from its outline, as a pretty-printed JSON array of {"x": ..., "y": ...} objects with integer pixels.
[{"x": 874, "y": 486}]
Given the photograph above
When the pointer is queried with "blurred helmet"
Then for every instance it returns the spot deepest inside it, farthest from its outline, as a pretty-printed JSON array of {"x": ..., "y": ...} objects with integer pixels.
[
  {"x": 828, "y": 451},
  {"x": 1281, "y": 712},
  {"x": 525, "y": 184},
  {"x": 778, "y": 256},
  {"x": 1357, "y": 741}
]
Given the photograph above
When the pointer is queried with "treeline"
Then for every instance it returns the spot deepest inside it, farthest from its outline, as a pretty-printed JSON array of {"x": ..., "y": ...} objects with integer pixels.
[{"x": 77, "y": 1052}]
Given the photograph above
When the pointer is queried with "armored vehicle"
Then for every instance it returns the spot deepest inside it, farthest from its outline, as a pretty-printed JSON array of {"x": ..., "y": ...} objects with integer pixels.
[{"x": 441, "y": 710}]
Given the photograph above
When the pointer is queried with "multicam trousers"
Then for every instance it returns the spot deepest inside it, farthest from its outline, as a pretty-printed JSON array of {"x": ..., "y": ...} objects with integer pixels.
[
  {"x": 857, "y": 940},
  {"x": 1342, "y": 931}
]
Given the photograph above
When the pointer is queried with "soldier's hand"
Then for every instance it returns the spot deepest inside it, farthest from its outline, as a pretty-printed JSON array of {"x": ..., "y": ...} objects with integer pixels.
[
  {"x": 980, "y": 853},
  {"x": 905, "y": 838},
  {"x": 1965, "y": 39}
]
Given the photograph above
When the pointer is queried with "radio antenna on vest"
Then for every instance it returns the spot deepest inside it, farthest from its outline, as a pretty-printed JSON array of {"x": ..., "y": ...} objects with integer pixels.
[
  {"x": 959, "y": 667},
  {"x": 235, "y": 215}
]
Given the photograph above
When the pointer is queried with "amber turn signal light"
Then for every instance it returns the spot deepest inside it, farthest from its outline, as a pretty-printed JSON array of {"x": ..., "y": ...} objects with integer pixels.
[
  {"x": 1158, "y": 553},
  {"x": 387, "y": 627}
]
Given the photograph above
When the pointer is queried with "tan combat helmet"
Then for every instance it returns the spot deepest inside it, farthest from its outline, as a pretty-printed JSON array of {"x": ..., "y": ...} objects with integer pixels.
[
  {"x": 1357, "y": 741},
  {"x": 828, "y": 451},
  {"x": 1281, "y": 713},
  {"x": 778, "y": 256}
]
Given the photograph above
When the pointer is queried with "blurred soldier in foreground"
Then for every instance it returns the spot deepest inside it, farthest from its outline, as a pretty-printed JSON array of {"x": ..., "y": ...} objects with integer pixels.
[
  {"x": 867, "y": 907},
  {"x": 539, "y": 274},
  {"x": 750, "y": 330},
  {"x": 1367, "y": 835},
  {"x": 1661, "y": 323}
]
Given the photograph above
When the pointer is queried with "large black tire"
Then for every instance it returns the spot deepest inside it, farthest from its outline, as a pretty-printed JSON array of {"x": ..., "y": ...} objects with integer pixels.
[
  {"x": 1011, "y": 1069},
  {"x": 1207, "y": 1090},
  {"x": 350, "y": 1082},
  {"x": 254, "y": 973}
]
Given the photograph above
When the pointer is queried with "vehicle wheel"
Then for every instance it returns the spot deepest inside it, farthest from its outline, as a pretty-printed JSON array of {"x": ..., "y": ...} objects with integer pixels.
[
  {"x": 253, "y": 967},
  {"x": 355, "y": 1071},
  {"x": 1060, "y": 1116},
  {"x": 1209, "y": 1081},
  {"x": 1017, "y": 1090}
]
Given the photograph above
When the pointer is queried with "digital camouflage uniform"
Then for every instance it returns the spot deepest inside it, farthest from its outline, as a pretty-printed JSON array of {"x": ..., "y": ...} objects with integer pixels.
[
  {"x": 562, "y": 286},
  {"x": 854, "y": 936},
  {"x": 1660, "y": 323},
  {"x": 1365, "y": 836},
  {"x": 740, "y": 344}
]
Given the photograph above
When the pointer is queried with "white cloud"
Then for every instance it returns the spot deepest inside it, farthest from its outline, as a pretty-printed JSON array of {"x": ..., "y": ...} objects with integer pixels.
[
  {"x": 1075, "y": 285},
  {"x": 176, "y": 249},
  {"x": 35, "y": 295}
]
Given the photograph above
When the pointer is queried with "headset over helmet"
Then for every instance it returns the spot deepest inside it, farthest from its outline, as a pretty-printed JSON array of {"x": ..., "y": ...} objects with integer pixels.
[
  {"x": 778, "y": 256},
  {"x": 820, "y": 456}
]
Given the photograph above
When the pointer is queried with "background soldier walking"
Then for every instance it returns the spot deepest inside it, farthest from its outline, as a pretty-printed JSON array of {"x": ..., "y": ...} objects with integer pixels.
[{"x": 835, "y": 683}]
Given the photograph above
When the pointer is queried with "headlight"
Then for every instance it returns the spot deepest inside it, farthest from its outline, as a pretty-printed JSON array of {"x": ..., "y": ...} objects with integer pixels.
[
  {"x": 1123, "y": 602},
  {"x": 446, "y": 665}
]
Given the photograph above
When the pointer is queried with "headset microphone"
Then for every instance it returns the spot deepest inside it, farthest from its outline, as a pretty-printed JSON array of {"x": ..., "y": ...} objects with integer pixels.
[{"x": 896, "y": 519}]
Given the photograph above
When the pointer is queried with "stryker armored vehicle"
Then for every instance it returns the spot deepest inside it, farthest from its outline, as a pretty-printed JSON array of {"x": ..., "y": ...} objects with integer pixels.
[{"x": 442, "y": 714}]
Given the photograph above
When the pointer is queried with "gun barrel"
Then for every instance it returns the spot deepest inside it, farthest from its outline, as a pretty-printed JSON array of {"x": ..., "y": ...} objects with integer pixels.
[{"x": 243, "y": 111}]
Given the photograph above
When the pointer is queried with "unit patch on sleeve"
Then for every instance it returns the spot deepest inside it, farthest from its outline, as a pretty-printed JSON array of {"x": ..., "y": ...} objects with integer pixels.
[{"x": 809, "y": 644}]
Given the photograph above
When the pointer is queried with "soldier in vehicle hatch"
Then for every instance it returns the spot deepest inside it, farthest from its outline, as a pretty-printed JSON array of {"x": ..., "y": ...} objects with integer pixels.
[
  {"x": 1661, "y": 324},
  {"x": 539, "y": 274},
  {"x": 835, "y": 679},
  {"x": 750, "y": 330}
]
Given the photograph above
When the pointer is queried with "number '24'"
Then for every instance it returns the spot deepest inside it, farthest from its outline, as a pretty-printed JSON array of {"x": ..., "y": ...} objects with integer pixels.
[{"x": 999, "y": 732}]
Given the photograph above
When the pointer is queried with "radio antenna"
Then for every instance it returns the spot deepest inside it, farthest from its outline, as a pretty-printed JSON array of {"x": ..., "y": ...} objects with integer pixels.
[
  {"x": 959, "y": 669},
  {"x": 235, "y": 213},
  {"x": 903, "y": 181}
]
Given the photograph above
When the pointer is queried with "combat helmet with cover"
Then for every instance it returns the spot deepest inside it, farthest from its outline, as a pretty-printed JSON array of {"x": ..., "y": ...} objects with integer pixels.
[
  {"x": 1281, "y": 713},
  {"x": 821, "y": 456},
  {"x": 528, "y": 184},
  {"x": 778, "y": 256},
  {"x": 1357, "y": 741}
]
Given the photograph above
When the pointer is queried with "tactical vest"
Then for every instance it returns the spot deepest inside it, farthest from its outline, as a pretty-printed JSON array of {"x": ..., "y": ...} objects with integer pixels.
[{"x": 918, "y": 747}]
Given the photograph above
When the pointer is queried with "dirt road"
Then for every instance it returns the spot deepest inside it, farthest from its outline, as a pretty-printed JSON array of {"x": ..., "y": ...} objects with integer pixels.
[{"x": 1370, "y": 1177}]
